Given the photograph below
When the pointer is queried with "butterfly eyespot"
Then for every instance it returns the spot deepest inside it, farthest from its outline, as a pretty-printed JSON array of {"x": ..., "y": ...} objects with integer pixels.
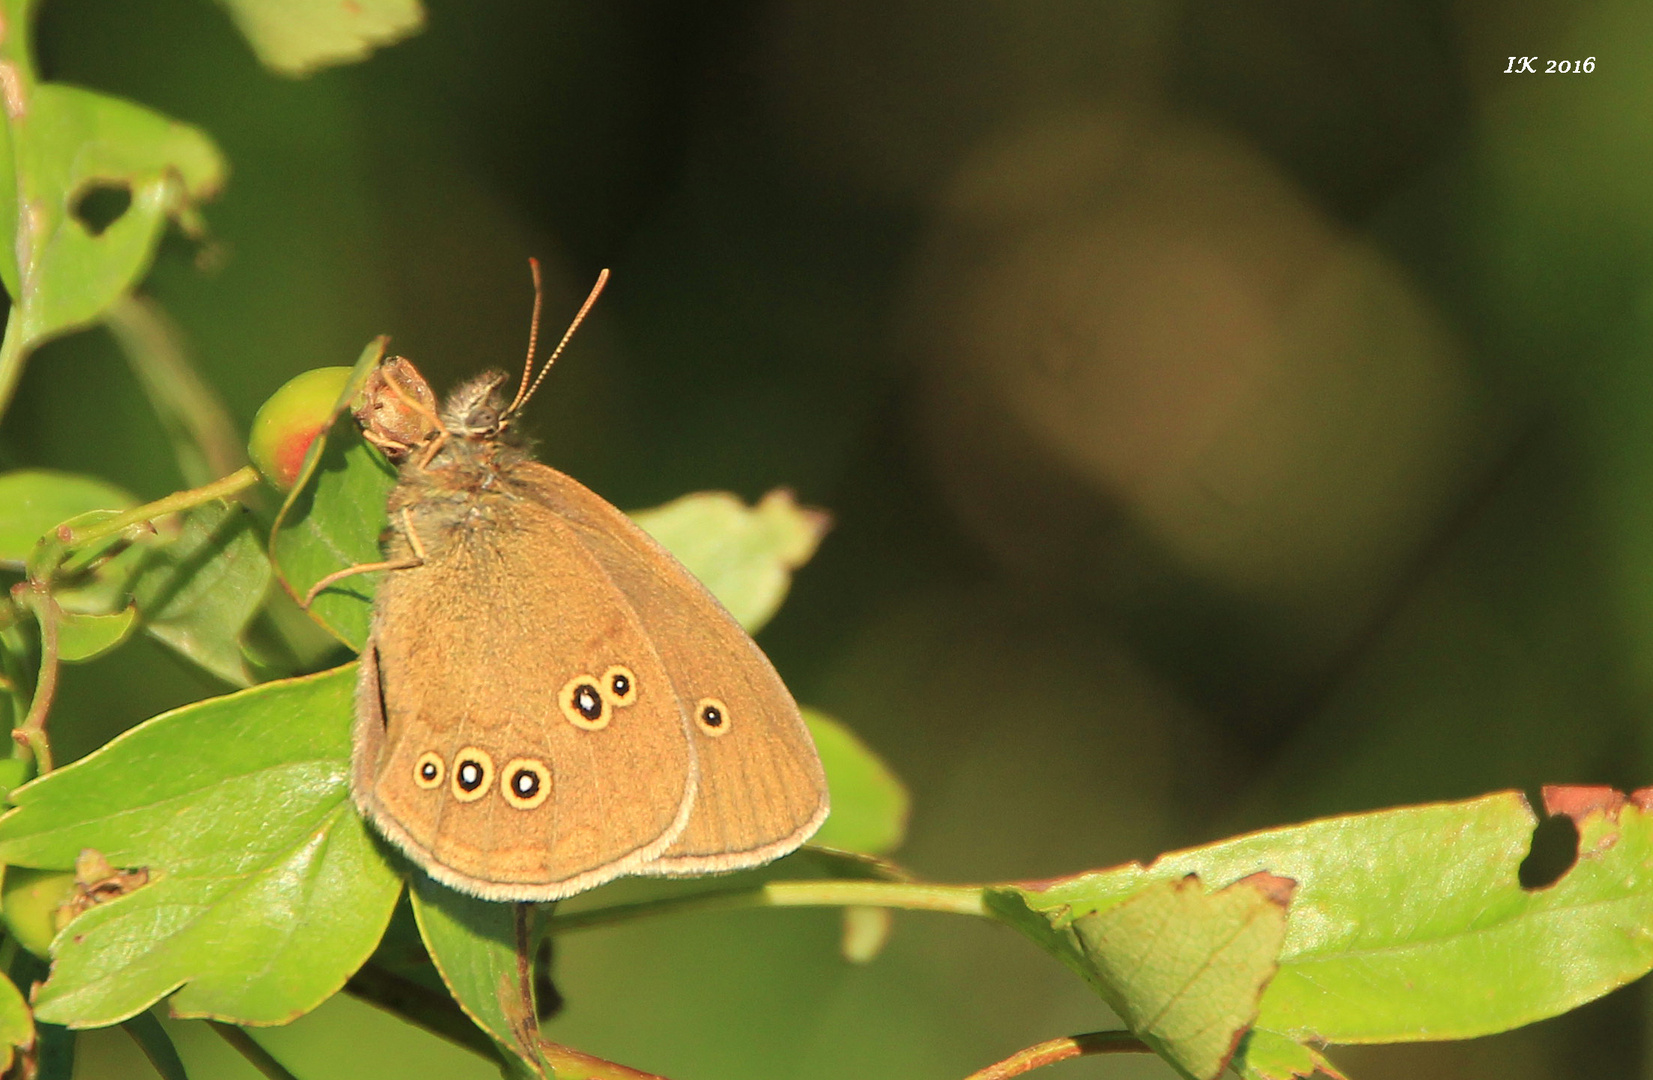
[
  {"x": 620, "y": 686},
  {"x": 428, "y": 770},
  {"x": 581, "y": 700},
  {"x": 527, "y": 783},
  {"x": 712, "y": 716},
  {"x": 473, "y": 771}
]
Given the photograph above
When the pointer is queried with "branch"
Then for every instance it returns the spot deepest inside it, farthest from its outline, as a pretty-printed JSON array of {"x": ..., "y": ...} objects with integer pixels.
[
  {"x": 910, "y": 896},
  {"x": 255, "y": 1054},
  {"x": 1054, "y": 1050}
]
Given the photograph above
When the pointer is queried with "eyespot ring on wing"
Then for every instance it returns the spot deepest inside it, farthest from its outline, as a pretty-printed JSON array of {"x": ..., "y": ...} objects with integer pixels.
[
  {"x": 526, "y": 783},
  {"x": 582, "y": 702},
  {"x": 619, "y": 686},
  {"x": 429, "y": 770},
  {"x": 473, "y": 772},
  {"x": 712, "y": 717}
]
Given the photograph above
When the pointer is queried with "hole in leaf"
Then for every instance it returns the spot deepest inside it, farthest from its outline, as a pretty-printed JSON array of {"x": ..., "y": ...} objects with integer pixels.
[
  {"x": 100, "y": 204},
  {"x": 1554, "y": 850}
]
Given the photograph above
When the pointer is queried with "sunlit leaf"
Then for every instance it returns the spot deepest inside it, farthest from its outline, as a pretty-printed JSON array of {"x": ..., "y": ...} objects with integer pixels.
[
  {"x": 869, "y": 802},
  {"x": 744, "y": 554},
  {"x": 62, "y": 142},
  {"x": 475, "y": 946},
  {"x": 1411, "y": 923},
  {"x": 265, "y": 890},
  {"x": 296, "y": 37},
  {"x": 16, "y": 1023}
]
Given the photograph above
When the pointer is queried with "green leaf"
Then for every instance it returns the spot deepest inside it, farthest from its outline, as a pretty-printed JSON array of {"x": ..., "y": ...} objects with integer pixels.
[
  {"x": 82, "y": 637},
  {"x": 1182, "y": 967},
  {"x": 198, "y": 592},
  {"x": 334, "y": 514},
  {"x": 265, "y": 890},
  {"x": 481, "y": 951},
  {"x": 744, "y": 555},
  {"x": 63, "y": 140},
  {"x": 869, "y": 803},
  {"x": 1266, "y": 1055},
  {"x": 16, "y": 1022},
  {"x": 296, "y": 37},
  {"x": 1411, "y": 924},
  {"x": 35, "y": 501}
]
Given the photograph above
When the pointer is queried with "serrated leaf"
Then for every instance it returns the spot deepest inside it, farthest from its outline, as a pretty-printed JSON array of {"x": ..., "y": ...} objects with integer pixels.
[
  {"x": 474, "y": 945},
  {"x": 197, "y": 592},
  {"x": 296, "y": 37},
  {"x": 265, "y": 891},
  {"x": 34, "y": 501},
  {"x": 869, "y": 802},
  {"x": 334, "y": 514},
  {"x": 1411, "y": 924},
  {"x": 744, "y": 555}
]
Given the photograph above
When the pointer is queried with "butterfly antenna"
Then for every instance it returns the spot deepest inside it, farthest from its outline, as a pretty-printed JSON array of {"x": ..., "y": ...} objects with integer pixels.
[
  {"x": 585, "y": 309},
  {"x": 533, "y": 338}
]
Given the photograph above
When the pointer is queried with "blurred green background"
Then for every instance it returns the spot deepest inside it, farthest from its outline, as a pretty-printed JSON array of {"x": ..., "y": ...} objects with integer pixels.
[{"x": 1232, "y": 414}]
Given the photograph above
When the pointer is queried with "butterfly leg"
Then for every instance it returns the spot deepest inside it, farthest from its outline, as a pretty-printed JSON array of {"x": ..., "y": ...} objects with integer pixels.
[{"x": 416, "y": 559}]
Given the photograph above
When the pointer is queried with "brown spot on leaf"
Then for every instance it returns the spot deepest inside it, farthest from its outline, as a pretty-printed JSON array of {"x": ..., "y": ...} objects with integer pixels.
[
  {"x": 1643, "y": 798},
  {"x": 1578, "y": 801},
  {"x": 1276, "y": 889}
]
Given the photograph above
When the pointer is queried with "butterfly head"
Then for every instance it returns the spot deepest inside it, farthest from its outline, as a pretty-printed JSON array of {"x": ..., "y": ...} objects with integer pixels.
[{"x": 477, "y": 411}]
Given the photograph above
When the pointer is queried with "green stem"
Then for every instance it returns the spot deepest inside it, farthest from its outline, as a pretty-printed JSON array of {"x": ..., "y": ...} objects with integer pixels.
[
  {"x": 12, "y": 356},
  {"x": 255, "y": 1054},
  {"x": 32, "y": 732},
  {"x": 1054, "y": 1050},
  {"x": 233, "y": 484},
  {"x": 910, "y": 896}
]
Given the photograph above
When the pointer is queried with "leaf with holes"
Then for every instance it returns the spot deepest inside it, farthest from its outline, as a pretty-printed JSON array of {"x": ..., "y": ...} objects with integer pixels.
[
  {"x": 1411, "y": 924},
  {"x": 64, "y": 145},
  {"x": 744, "y": 555},
  {"x": 476, "y": 946},
  {"x": 869, "y": 802},
  {"x": 265, "y": 890},
  {"x": 296, "y": 37}
]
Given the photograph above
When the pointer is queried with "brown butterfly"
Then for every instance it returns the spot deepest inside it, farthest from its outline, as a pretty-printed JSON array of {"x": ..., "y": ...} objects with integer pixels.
[{"x": 547, "y": 699}]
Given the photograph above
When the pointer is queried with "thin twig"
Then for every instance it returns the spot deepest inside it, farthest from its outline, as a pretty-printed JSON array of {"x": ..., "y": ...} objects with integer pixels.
[
  {"x": 31, "y": 734},
  {"x": 1054, "y": 1050},
  {"x": 258, "y": 1057},
  {"x": 911, "y": 896},
  {"x": 233, "y": 484}
]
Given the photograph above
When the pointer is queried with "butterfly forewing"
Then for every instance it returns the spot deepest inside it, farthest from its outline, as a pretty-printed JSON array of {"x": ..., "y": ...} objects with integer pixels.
[
  {"x": 506, "y": 764},
  {"x": 761, "y": 791}
]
